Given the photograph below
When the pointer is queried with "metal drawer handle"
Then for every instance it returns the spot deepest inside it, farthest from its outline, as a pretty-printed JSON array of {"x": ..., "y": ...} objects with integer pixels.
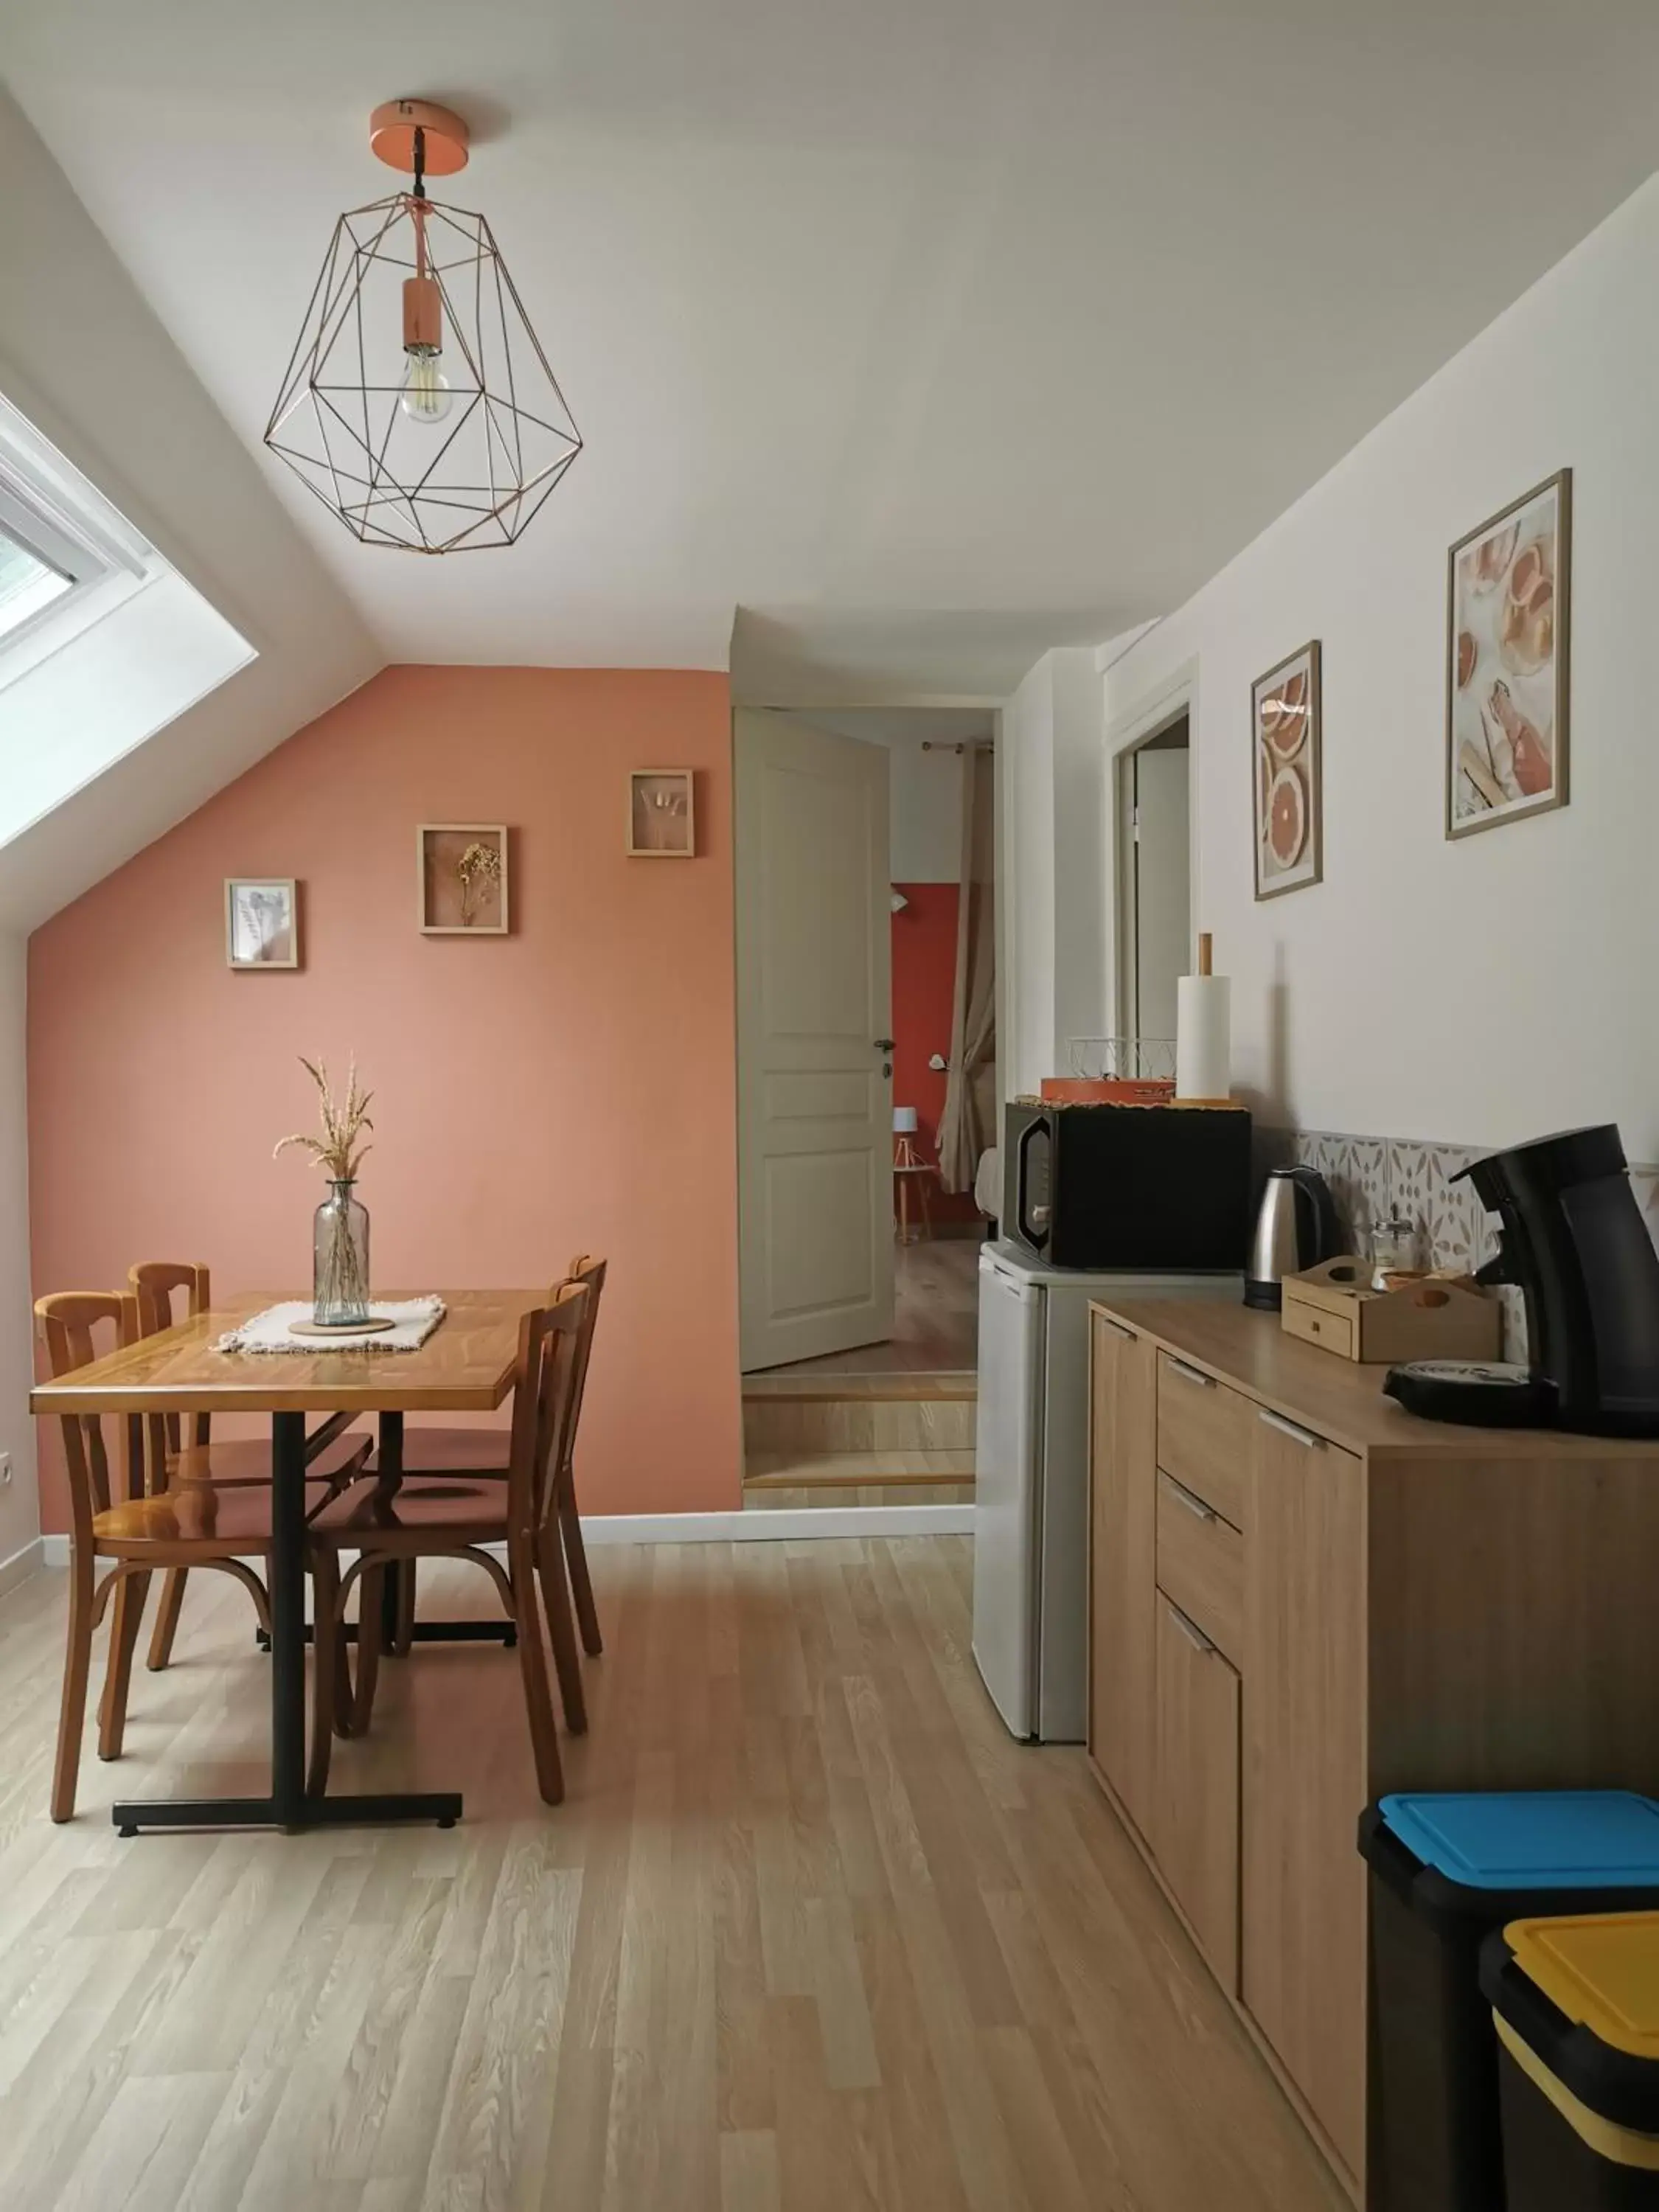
[
  {"x": 1304, "y": 1437},
  {"x": 1193, "y": 1506},
  {"x": 1192, "y": 1375},
  {"x": 1116, "y": 1328},
  {"x": 1194, "y": 1636}
]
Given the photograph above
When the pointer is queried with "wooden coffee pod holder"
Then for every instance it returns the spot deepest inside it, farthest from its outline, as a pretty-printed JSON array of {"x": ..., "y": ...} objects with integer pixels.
[{"x": 1426, "y": 1318}]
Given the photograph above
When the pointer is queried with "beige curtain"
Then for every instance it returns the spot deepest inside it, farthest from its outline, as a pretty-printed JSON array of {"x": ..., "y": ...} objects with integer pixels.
[{"x": 968, "y": 1125}]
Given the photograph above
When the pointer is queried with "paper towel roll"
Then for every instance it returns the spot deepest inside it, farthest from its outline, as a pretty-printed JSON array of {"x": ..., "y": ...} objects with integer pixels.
[{"x": 1203, "y": 1038}]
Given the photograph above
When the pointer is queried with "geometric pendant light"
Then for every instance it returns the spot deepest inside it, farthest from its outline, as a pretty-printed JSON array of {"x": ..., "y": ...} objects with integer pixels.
[{"x": 418, "y": 405}]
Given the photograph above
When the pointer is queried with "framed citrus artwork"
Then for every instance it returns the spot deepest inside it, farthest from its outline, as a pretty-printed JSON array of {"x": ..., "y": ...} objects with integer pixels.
[
  {"x": 1507, "y": 690},
  {"x": 1285, "y": 740}
]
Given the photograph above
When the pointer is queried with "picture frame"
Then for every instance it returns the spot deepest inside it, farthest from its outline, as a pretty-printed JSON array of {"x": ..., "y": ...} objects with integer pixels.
[
  {"x": 1509, "y": 626},
  {"x": 461, "y": 875},
  {"x": 662, "y": 814},
  {"x": 261, "y": 923},
  {"x": 1287, "y": 775}
]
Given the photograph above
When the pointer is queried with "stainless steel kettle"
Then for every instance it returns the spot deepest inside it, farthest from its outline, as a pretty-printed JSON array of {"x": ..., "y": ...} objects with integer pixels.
[{"x": 1295, "y": 1228}]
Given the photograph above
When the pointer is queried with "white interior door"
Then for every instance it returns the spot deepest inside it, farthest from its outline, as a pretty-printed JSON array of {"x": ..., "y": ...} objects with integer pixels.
[
  {"x": 1163, "y": 930},
  {"x": 814, "y": 1146}
]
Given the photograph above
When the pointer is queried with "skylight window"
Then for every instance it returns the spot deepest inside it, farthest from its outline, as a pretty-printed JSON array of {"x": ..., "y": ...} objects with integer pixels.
[
  {"x": 102, "y": 642},
  {"x": 27, "y": 584}
]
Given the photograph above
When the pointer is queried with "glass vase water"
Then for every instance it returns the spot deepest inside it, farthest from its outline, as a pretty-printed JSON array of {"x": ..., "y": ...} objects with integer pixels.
[{"x": 339, "y": 1282}]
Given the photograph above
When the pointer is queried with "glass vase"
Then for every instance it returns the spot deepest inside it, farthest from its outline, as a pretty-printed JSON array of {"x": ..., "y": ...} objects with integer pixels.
[{"x": 339, "y": 1282}]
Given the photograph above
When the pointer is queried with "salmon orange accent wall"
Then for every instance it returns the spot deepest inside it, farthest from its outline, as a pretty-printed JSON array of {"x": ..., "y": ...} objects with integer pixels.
[
  {"x": 569, "y": 1087},
  {"x": 923, "y": 1001}
]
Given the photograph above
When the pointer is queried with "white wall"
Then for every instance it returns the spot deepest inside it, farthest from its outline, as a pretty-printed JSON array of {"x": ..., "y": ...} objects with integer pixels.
[
  {"x": 1052, "y": 893},
  {"x": 925, "y": 801},
  {"x": 1501, "y": 986},
  {"x": 20, "y": 1505}
]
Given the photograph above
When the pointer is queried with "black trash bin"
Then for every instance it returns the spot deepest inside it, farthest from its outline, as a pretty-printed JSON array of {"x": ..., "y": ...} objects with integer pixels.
[{"x": 1447, "y": 1869}]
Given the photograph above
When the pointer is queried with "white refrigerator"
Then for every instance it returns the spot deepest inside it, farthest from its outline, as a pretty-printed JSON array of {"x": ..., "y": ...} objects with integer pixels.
[{"x": 1031, "y": 1480}]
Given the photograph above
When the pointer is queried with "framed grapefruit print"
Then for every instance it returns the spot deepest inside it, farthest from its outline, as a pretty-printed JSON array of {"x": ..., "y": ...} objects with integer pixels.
[
  {"x": 1506, "y": 662},
  {"x": 1285, "y": 739}
]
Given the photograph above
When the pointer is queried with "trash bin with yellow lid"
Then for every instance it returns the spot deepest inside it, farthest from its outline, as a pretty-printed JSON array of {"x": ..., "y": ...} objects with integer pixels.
[{"x": 1576, "y": 2003}]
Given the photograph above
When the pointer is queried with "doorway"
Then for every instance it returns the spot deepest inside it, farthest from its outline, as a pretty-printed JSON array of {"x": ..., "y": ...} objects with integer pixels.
[
  {"x": 884, "y": 1415},
  {"x": 1154, "y": 890}
]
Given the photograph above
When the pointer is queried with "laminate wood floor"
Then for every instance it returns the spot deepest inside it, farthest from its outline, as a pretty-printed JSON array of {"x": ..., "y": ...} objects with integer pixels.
[
  {"x": 935, "y": 1316},
  {"x": 810, "y": 1935}
]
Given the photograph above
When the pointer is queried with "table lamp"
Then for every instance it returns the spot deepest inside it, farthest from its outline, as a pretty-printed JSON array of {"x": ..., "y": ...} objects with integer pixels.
[{"x": 904, "y": 1129}]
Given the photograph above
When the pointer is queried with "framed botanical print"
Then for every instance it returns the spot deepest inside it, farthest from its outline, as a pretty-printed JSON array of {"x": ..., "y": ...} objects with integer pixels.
[
  {"x": 1285, "y": 742},
  {"x": 262, "y": 921},
  {"x": 662, "y": 816},
  {"x": 462, "y": 875},
  {"x": 1508, "y": 590}
]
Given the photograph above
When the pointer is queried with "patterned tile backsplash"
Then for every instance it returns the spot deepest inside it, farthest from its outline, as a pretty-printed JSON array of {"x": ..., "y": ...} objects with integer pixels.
[{"x": 1373, "y": 1177}]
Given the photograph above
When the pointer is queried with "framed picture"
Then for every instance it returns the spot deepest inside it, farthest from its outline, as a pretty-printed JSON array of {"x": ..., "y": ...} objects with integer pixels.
[
  {"x": 1508, "y": 591},
  {"x": 262, "y": 921},
  {"x": 462, "y": 870},
  {"x": 1285, "y": 742},
  {"x": 661, "y": 818}
]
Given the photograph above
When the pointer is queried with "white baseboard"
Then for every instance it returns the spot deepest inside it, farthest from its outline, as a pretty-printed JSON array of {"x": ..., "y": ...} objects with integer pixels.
[
  {"x": 22, "y": 1564},
  {"x": 790, "y": 1522}
]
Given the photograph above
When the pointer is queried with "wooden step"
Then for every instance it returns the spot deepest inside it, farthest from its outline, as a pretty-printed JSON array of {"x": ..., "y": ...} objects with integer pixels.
[
  {"x": 789, "y": 1470},
  {"x": 815, "y": 1425},
  {"x": 813, "y": 1389}
]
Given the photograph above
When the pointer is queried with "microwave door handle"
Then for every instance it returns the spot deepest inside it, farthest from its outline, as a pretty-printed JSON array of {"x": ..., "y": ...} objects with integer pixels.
[{"x": 1034, "y": 1237}]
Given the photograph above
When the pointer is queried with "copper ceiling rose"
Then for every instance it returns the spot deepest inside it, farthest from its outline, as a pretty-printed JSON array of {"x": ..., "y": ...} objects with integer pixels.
[{"x": 418, "y": 405}]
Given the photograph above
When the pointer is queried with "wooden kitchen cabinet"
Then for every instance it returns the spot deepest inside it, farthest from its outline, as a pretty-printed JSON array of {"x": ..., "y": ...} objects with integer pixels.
[
  {"x": 1304, "y": 1963},
  {"x": 1196, "y": 1801},
  {"x": 1123, "y": 1515},
  {"x": 1302, "y": 1598}
]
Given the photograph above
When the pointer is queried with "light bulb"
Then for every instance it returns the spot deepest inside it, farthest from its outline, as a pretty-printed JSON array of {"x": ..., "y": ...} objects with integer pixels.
[{"x": 426, "y": 396}]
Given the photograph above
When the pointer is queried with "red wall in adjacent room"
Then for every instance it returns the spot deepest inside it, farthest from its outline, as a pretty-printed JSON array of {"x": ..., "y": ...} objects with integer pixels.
[
  {"x": 924, "y": 987},
  {"x": 567, "y": 1087}
]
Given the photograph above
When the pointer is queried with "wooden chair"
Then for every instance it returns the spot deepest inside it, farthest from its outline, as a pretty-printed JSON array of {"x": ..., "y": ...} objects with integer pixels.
[
  {"x": 172, "y": 1521},
  {"x": 234, "y": 1463},
  {"x": 481, "y": 1454},
  {"x": 457, "y": 1519}
]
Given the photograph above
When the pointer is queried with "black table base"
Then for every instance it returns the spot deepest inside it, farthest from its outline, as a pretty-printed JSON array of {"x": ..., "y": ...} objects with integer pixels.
[
  {"x": 290, "y": 1806},
  {"x": 442, "y": 1807}
]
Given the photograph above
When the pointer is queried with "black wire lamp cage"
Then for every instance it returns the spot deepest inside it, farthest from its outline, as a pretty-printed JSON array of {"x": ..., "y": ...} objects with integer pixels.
[{"x": 418, "y": 405}]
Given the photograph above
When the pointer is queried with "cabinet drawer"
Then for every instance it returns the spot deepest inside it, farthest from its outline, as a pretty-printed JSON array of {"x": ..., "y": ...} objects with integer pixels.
[
  {"x": 1204, "y": 1436},
  {"x": 1331, "y": 1332},
  {"x": 1200, "y": 1563},
  {"x": 1197, "y": 1803}
]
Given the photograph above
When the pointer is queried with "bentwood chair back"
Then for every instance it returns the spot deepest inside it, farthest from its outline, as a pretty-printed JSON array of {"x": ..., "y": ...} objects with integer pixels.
[
  {"x": 464, "y": 1518},
  {"x": 154, "y": 1284},
  {"x": 157, "y": 1287},
  {"x": 589, "y": 1273},
  {"x": 72, "y": 1323}
]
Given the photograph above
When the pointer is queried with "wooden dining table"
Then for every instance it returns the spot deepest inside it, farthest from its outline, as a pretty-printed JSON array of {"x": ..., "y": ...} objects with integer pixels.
[{"x": 465, "y": 1366}]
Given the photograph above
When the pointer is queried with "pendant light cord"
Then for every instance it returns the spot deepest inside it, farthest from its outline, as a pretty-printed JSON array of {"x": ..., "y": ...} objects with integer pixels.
[{"x": 420, "y": 162}]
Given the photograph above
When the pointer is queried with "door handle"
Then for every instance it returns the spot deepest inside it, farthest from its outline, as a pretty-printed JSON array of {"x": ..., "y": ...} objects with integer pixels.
[
  {"x": 1194, "y": 1505},
  {"x": 1305, "y": 1437},
  {"x": 1193, "y": 1634},
  {"x": 884, "y": 1044},
  {"x": 1191, "y": 1375}
]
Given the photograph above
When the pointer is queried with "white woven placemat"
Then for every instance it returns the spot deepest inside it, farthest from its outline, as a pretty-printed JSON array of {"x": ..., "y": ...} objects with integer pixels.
[{"x": 415, "y": 1319}]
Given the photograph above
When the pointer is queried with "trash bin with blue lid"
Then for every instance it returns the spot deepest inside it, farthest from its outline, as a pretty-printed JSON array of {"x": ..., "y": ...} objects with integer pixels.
[{"x": 1447, "y": 1869}]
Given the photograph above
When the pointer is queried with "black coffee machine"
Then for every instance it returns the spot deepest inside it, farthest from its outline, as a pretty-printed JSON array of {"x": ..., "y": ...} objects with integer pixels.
[{"x": 1573, "y": 1238}]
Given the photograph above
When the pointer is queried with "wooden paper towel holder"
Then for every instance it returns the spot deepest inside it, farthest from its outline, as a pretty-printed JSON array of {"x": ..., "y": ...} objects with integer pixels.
[{"x": 1206, "y": 956}]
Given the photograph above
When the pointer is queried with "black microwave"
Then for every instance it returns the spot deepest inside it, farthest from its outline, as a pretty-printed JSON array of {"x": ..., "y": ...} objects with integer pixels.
[{"x": 1103, "y": 1186}]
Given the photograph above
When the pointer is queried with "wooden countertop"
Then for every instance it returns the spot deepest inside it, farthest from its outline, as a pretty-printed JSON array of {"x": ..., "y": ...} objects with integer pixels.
[{"x": 1341, "y": 1399}]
